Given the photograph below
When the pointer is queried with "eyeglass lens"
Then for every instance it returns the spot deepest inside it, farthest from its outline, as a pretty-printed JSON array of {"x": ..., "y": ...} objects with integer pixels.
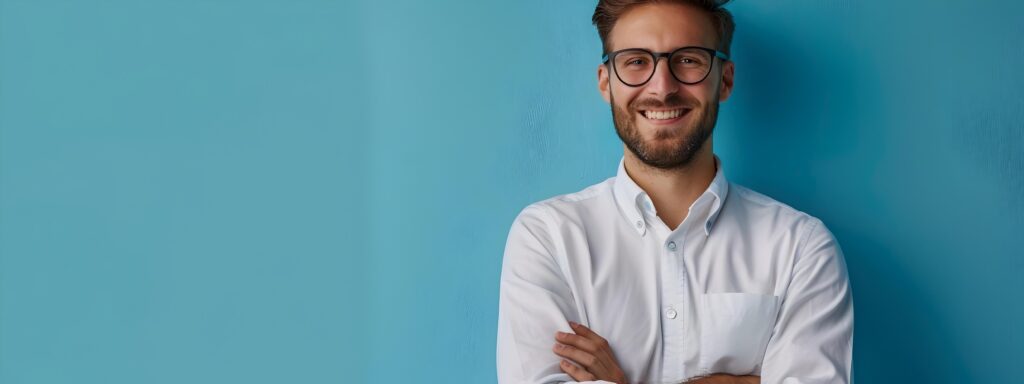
[{"x": 635, "y": 66}]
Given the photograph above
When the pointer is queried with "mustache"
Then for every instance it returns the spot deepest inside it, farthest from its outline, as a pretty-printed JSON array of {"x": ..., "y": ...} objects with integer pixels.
[{"x": 672, "y": 101}]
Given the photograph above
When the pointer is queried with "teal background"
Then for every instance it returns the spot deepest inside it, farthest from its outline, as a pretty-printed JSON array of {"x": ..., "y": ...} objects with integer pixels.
[{"x": 315, "y": 191}]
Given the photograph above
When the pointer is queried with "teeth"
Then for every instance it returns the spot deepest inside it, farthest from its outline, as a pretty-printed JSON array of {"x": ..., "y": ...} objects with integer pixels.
[{"x": 663, "y": 115}]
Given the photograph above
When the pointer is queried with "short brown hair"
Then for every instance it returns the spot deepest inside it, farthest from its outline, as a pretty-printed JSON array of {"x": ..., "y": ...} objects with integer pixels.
[{"x": 609, "y": 11}]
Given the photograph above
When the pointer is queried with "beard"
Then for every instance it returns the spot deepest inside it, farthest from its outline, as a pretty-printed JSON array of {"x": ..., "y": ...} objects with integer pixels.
[{"x": 669, "y": 148}]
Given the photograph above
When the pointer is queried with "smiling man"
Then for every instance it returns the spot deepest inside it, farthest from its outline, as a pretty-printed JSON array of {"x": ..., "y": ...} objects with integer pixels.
[{"x": 667, "y": 272}]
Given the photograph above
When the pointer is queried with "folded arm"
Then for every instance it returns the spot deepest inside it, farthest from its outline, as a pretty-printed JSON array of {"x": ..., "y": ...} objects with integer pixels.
[
  {"x": 535, "y": 302},
  {"x": 813, "y": 338}
]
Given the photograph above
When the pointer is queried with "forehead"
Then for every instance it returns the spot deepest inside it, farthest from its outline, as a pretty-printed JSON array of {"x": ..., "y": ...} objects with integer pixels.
[{"x": 663, "y": 27}]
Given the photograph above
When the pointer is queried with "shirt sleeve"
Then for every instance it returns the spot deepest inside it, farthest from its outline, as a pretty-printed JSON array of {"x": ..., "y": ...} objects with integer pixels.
[
  {"x": 813, "y": 338},
  {"x": 535, "y": 302}
]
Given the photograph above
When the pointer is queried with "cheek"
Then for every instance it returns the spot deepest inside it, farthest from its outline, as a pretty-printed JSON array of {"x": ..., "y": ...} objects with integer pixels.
[
  {"x": 623, "y": 95},
  {"x": 706, "y": 92}
]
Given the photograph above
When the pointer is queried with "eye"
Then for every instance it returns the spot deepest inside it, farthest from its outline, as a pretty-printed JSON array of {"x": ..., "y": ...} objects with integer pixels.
[
  {"x": 688, "y": 60},
  {"x": 636, "y": 61}
]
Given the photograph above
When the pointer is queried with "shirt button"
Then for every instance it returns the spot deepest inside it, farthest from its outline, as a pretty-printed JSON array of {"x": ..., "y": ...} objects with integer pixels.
[
  {"x": 672, "y": 245},
  {"x": 639, "y": 224},
  {"x": 671, "y": 313}
]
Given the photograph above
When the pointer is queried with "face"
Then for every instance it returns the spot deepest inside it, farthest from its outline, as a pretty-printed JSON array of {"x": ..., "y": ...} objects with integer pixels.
[{"x": 664, "y": 122}]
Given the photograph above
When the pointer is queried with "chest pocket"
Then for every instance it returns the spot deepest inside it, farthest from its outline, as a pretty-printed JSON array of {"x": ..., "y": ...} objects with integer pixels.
[{"x": 735, "y": 329}]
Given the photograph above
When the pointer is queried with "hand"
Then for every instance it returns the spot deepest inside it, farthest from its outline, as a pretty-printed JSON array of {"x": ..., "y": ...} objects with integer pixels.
[{"x": 591, "y": 353}]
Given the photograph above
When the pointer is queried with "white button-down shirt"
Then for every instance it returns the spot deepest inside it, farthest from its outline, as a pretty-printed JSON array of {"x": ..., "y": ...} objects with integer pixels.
[{"x": 744, "y": 285}]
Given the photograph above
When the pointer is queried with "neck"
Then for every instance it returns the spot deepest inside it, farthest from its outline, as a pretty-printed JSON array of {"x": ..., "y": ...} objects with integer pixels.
[{"x": 673, "y": 191}]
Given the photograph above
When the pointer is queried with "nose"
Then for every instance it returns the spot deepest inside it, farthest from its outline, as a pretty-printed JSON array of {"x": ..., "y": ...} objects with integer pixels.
[{"x": 662, "y": 82}]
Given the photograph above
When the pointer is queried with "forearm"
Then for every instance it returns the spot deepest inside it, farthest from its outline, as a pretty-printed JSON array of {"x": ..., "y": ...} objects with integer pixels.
[{"x": 725, "y": 379}]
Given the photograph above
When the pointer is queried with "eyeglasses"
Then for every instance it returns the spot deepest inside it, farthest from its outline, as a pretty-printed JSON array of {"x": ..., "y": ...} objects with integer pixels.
[{"x": 689, "y": 65}]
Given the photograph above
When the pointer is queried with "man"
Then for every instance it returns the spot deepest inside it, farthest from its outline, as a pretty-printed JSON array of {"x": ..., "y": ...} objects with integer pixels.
[{"x": 668, "y": 273}]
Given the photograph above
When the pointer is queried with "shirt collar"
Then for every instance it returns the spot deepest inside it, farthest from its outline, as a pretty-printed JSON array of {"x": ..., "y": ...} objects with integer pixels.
[{"x": 632, "y": 200}]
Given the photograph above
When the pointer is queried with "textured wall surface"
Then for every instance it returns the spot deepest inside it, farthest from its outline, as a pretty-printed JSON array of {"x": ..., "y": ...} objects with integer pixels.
[{"x": 315, "y": 191}]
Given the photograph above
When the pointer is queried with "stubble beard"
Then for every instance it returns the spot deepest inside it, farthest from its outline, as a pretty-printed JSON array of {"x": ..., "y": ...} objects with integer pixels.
[{"x": 669, "y": 148}]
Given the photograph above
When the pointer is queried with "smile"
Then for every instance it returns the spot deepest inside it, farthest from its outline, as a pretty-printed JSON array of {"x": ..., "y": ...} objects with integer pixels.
[{"x": 664, "y": 116}]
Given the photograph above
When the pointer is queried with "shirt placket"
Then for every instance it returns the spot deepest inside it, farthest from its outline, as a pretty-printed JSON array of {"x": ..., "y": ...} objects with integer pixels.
[{"x": 674, "y": 304}]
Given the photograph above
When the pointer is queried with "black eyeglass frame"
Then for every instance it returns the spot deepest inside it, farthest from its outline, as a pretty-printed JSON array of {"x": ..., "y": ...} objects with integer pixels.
[{"x": 608, "y": 58}]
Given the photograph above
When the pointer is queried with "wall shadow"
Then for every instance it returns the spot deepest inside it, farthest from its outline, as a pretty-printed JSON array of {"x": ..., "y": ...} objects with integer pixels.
[{"x": 802, "y": 127}]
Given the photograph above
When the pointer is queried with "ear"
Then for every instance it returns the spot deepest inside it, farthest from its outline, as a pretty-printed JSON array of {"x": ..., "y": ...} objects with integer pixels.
[
  {"x": 728, "y": 72},
  {"x": 602, "y": 82}
]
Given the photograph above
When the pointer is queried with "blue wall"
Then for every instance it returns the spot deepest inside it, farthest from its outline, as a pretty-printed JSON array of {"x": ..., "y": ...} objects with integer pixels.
[{"x": 313, "y": 191}]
